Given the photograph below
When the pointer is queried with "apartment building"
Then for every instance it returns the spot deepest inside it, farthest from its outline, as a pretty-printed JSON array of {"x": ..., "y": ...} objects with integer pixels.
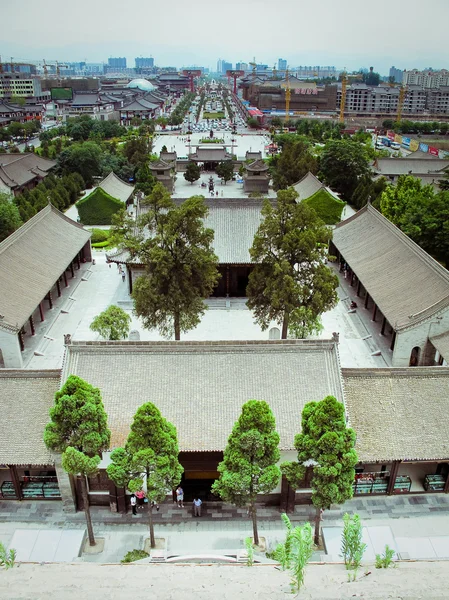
[
  {"x": 20, "y": 84},
  {"x": 426, "y": 79}
]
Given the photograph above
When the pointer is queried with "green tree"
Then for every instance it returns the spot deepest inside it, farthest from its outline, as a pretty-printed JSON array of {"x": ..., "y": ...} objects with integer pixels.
[
  {"x": 325, "y": 445},
  {"x": 149, "y": 459},
  {"x": 78, "y": 429},
  {"x": 181, "y": 267},
  {"x": 9, "y": 216},
  {"x": 293, "y": 163},
  {"x": 444, "y": 183},
  {"x": 192, "y": 172},
  {"x": 249, "y": 461},
  {"x": 84, "y": 158},
  {"x": 225, "y": 170},
  {"x": 289, "y": 252},
  {"x": 342, "y": 164},
  {"x": 112, "y": 324}
]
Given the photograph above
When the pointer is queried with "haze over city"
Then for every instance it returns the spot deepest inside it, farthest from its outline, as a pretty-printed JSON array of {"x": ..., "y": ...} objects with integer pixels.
[{"x": 347, "y": 33}]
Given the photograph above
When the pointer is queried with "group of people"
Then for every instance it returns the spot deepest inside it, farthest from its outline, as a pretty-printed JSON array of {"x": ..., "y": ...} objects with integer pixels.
[{"x": 139, "y": 499}]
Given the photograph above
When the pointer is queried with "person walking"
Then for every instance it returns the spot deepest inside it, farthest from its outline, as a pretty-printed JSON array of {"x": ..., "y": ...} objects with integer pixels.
[
  {"x": 180, "y": 496},
  {"x": 123, "y": 276},
  {"x": 197, "y": 507},
  {"x": 134, "y": 503}
]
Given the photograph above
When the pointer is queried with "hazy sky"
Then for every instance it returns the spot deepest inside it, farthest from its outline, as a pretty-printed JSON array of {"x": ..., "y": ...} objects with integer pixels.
[{"x": 343, "y": 33}]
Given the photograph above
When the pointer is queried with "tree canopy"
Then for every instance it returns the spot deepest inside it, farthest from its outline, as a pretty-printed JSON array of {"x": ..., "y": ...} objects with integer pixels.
[
  {"x": 289, "y": 252},
  {"x": 192, "y": 172},
  {"x": 295, "y": 161},
  {"x": 112, "y": 324},
  {"x": 225, "y": 170},
  {"x": 83, "y": 158},
  {"x": 342, "y": 164},
  {"x": 180, "y": 265},
  {"x": 9, "y": 216},
  {"x": 326, "y": 447},
  {"x": 420, "y": 213},
  {"x": 149, "y": 458},
  {"x": 78, "y": 429},
  {"x": 249, "y": 461}
]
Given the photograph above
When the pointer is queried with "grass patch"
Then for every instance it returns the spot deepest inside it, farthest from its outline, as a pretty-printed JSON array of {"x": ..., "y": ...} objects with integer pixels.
[
  {"x": 134, "y": 555},
  {"x": 327, "y": 207},
  {"x": 104, "y": 244},
  {"x": 213, "y": 115},
  {"x": 212, "y": 141}
]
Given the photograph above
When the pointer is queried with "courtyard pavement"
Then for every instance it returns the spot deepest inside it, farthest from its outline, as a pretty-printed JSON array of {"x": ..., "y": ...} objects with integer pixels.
[{"x": 418, "y": 526}]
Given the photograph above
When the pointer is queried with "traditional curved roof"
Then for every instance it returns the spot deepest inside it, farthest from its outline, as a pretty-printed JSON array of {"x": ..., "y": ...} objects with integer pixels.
[
  {"x": 19, "y": 169},
  {"x": 201, "y": 386},
  {"x": 27, "y": 397},
  {"x": 116, "y": 188},
  {"x": 398, "y": 413},
  {"x": 257, "y": 166},
  {"x": 405, "y": 282},
  {"x": 307, "y": 186},
  {"x": 32, "y": 259}
]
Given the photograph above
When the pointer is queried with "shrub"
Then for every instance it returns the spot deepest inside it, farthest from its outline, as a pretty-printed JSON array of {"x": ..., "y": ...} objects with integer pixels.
[
  {"x": 249, "y": 551},
  {"x": 7, "y": 559},
  {"x": 383, "y": 561},
  {"x": 134, "y": 555},
  {"x": 99, "y": 235},
  {"x": 98, "y": 207},
  {"x": 327, "y": 207}
]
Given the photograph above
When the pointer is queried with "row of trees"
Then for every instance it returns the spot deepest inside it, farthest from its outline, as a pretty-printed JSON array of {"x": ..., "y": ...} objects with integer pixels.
[
  {"x": 181, "y": 109},
  {"x": 315, "y": 130},
  {"x": 19, "y": 130},
  {"x": 78, "y": 429},
  {"x": 407, "y": 126},
  {"x": 290, "y": 283}
]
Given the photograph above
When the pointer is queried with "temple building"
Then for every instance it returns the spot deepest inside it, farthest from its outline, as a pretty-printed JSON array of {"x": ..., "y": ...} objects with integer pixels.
[
  {"x": 20, "y": 172},
  {"x": 36, "y": 262},
  {"x": 404, "y": 287}
]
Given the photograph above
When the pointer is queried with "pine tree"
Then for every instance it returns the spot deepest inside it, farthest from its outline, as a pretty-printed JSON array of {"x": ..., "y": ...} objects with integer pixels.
[
  {"x": 192, "y": 172},
  {"x": 249, "y": 462},
  {"x": 78, "y": 429},
  {"x": 326, "y": 445},
  {"x": 289, "y": 252},
  {"x": 149, "y": 458}
]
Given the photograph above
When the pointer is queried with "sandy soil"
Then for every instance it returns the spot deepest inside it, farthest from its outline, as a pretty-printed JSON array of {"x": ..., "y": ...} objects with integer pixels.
[{"x": 408, "y": 581}]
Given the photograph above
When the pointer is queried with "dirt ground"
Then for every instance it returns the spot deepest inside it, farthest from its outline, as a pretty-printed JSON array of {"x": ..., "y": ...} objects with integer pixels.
[{"x": 407, "y": 581}]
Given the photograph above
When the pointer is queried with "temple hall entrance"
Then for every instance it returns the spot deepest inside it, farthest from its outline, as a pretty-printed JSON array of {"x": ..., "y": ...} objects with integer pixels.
[{"x": 200, "y": 472}]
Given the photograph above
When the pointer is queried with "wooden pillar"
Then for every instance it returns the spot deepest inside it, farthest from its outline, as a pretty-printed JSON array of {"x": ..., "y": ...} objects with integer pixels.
[
  {"x": 112, "y": 497},
  {"x": 393, "y": 341},
  {"x": 41, "y": 311},
  {"x": 33, "y": 331},
  {"x": 15, "y": 481},
  {"x": 341, "y": 265},
  {"x": 58, "y": 287},
  {"x": 50, "y": 299},
  {"x": 121, "y": 501},
  {"x": 374, "y": 312},
  {"x": 352, "y": 277},
  {"x": 130, "y": 280},
  {"x": 366, "y": 300},
  {"x": 21, "y": 342},
  {"x": 72, "y": 270},
  {"x": 65, "y": 279},
  {"x": 227, "y": 280},
  {"x": 393, "y": 475},
  {"x": 78, "y": 262},
  {"x": 359, "y": 285},
  {"x": 384, "y": 322},
  {"x": 287, "y": 502}
]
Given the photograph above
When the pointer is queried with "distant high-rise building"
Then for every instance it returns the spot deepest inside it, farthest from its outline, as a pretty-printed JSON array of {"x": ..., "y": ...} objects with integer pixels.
[
  {"x": 242, "y": 66},
  {"x": 396, "y": 74},
  {"x": 282, "y": 64},
  {"x": 144, "y": 63},
  {"x": 225, "y": 66},
  {"x": 426, "y": 79},
  {"x": 220, "y": 65},
  {"x": 117, "y": 63}
]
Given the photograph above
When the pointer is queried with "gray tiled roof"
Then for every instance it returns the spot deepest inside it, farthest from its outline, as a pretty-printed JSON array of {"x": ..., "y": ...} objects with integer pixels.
[
  {"x": 18, "y": 169},
  {"x": 399, "y": 414},
  {"x": 412, "y": 166},
  {"x": 307, "y": 186},
  {"x": 32, "y": 259},
  {"x": 25, "y": 400},
  {"x": 116, "y": 188},
  {"x": 405, "y": 282},
  {"x": 200, "y": 387},
  {"x": 234, "y": 221},
  {"x": 441, "y": 343}
]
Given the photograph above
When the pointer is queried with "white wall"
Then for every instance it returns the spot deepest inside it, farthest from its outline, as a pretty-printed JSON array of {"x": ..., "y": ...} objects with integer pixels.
[
  {"x": 10, "y": 347},
  {"x": 418, "y": 336}
]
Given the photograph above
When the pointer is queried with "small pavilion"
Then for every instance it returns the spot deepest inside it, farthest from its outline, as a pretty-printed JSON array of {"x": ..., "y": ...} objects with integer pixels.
[{"x": 257, "y": 177}]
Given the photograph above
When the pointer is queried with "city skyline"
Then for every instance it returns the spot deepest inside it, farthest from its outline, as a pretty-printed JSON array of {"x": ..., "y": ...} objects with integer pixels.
[{"x": 324, "y": 34}]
